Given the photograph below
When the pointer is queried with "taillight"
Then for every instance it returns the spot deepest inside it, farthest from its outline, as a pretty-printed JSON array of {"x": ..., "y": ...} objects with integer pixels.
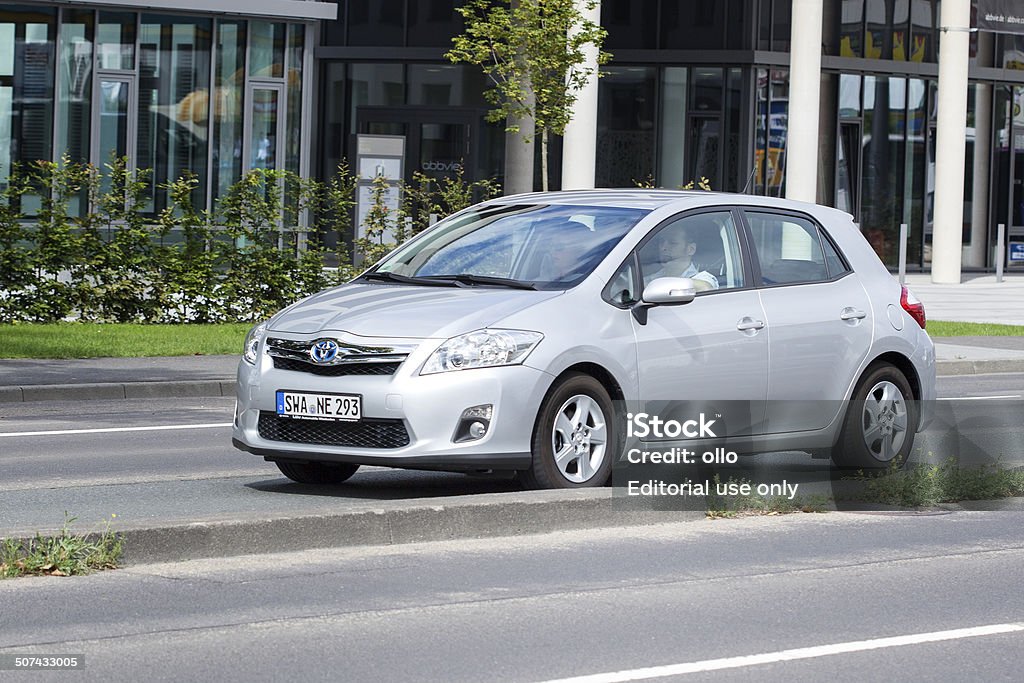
[{"x": 912, "y": 305}]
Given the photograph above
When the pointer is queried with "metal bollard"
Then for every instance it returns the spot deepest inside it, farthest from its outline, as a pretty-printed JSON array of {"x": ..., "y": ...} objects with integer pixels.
[
  {"x": 1000, "y": 251},
  {"x": 903, "y": 253}
]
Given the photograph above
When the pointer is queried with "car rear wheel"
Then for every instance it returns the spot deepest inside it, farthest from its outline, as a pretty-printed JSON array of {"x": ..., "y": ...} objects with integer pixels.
[
  {"x": 573, "y": 436},
  {"x": 316, "y": 472},
  {"x": 881, "y": 421}
]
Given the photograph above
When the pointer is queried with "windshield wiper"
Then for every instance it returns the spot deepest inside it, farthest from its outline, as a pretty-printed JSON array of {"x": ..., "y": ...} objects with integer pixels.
[
  {"x": 385, "y": 276},
  {"x": 470, "y": 279}
]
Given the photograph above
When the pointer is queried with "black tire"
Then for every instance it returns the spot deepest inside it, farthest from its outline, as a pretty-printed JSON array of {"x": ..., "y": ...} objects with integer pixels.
[
  {"x": 880, "y": 424},
  {"x": 316, "y": 472},
  {"x": 588, "y": 463}
]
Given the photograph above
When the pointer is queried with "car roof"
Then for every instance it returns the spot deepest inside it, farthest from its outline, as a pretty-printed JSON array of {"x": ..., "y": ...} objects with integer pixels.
[{"x": 651, "y": 199}]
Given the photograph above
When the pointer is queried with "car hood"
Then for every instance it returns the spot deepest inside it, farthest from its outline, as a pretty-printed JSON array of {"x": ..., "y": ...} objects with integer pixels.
[{"x": 373, "y": 310}]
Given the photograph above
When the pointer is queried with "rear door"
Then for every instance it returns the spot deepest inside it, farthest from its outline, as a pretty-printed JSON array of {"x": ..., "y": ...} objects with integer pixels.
[{"x": 818, "y": 317}]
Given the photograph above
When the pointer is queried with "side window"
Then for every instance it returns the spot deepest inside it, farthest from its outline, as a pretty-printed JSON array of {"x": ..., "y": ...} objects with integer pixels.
[
  {"x": 622, "y": 290},
  {"x": 788, "y": 248},
  {"x": 703, "y": 247},
  {"x": 836, "y": 265}
]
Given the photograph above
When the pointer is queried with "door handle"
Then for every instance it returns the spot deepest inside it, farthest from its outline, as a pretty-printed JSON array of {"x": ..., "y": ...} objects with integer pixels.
[
  {"x": 852, "y": 314},
  {"x": 749, "y": 324}
]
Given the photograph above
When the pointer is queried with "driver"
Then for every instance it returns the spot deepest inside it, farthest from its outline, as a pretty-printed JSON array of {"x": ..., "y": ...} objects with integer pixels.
[{"x": 675, "y": 252}]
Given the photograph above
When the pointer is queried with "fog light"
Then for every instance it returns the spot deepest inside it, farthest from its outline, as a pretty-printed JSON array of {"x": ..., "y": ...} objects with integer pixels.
[{"x": 474, "y": 423}]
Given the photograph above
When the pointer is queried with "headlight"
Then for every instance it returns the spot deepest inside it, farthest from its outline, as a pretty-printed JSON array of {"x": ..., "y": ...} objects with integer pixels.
[
  {"x": 252, "y": 343},
  {"x": 482, "y": 349}
]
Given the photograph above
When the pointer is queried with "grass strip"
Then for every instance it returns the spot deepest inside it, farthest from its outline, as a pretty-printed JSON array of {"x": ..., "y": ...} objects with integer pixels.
[
  {"x": 927, "y": 485},
  {"x": 720, "y": 507},
  {"x": 119, "y": 340},
  {"x": 65, "y": 554},
  {"x": 944, "y": 328}
]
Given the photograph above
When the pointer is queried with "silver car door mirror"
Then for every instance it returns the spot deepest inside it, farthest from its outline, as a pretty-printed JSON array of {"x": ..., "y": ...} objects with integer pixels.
[{"x": 669, "y": 291}]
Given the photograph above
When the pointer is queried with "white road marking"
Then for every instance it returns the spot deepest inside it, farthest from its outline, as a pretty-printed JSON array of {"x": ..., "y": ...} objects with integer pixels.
[
  {"x": 105, "y": 430},
  {"x": 981, "y": 398},
  {"x": 792, "y": 655}
]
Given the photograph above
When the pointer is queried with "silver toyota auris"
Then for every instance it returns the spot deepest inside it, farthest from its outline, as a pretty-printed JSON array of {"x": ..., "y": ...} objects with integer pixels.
[{"x": 509, "y": 337}]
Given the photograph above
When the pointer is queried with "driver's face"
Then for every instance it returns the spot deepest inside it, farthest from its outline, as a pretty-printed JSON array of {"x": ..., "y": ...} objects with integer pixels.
[{"x": 676, "y": 246}]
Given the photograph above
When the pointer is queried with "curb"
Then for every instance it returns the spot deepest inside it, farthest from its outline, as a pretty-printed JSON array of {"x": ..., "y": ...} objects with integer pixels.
[
  {"x": 442, "y": 519},
  {"x": 950, "y": 368},
  {"x": 114, "y": 391}
]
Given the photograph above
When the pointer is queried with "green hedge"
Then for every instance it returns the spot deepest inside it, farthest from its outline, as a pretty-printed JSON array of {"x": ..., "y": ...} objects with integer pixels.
[{"x": 240, "y": 263}]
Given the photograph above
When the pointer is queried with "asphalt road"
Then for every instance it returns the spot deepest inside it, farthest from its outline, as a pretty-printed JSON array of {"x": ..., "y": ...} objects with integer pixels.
[
  {"x": 180, "y": 475},
  {"x": 560, "y": 605}
]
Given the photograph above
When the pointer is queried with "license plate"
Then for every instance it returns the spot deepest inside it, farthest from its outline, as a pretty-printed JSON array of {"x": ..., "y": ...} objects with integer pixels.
[{"x": 347, "y": 407}]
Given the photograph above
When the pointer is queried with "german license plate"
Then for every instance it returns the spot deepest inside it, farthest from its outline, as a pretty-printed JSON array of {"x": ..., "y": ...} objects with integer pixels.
[{"x": 307, "y": 406}]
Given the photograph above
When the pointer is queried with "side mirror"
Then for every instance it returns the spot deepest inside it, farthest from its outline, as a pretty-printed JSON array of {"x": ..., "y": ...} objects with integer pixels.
[
  {"x": 669, "y": 291},
  {"x": 664, "y": 291}
]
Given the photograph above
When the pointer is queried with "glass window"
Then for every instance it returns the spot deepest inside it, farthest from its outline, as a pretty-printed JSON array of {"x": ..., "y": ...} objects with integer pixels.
[
  {"x": 882, "y": 168},
  {"x": 735, "y": 175},
  {"x": 553, "y": 247},
  {"x": 673, "y": 127},
  {"x": 75, "y": 82},
  {"x": 782, "y": 20},
  {"x": 625, "y": 128},
  {"x": 375, "y": 85},
  {"x": 229, "y": 96},
  {"x": 333, "y": 111},
  {"x": 263, "y": 150},
  {"x": 687, "y": 25},
  {"x": 376, "y": 22},
  {"x": 296, "y": 40},
  {"x": 886, "y": 29},
  {"x": 703, "y": 247},
  {"x": 770, "y": 128},
  {"x": 26, "y": 87},
  {"x": 631, "y": 24},
  {"x": 115, "y": 37},
  {"x": 174, "y": 103},
  {"x": 442, "y": 85},
  {"x": 922, "y": 30},
  {"x": 836, "y": 264},
  {"x": 851, "y": 28},
  {"x": 788, "y": 248},
  {"x": 266, "y": 51},
  {"x": 623, "y": 289},
  {"x": 433, "y": 23}
]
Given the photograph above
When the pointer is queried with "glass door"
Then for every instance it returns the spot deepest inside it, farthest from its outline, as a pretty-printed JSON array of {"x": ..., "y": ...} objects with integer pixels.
[
  {"x": 265, "y": 127},
  {"x": 705, "y": 150},
  {"x": 113, "y": 132}
]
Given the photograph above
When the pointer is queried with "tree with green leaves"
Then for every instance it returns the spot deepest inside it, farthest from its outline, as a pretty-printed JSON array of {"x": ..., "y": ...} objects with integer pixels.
[{"x": 533, "y": 53}]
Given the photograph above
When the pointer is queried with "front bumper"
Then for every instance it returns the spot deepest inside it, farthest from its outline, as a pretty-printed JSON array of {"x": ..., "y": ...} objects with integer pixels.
[{"x": 428, "y": 407}]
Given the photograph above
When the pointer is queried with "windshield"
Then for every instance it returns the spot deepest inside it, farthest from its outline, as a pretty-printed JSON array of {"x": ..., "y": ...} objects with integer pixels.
[{"x": 548, "y": 247}]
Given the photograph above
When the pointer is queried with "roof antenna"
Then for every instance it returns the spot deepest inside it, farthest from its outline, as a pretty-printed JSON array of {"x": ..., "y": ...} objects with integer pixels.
[{"x": 749, "y": 178}]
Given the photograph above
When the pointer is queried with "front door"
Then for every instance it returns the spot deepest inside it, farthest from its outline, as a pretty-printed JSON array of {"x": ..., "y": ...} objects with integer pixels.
[{"x": 713, "y": 351}]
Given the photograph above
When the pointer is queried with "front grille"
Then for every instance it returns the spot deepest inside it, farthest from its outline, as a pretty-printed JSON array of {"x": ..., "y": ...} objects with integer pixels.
[
  {"x": 380, "y": 433},
  {"x": 336, "y": 370}
]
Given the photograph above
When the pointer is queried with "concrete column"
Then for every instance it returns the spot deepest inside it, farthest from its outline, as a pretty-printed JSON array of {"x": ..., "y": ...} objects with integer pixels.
[
  {"x": 974, "y": 255},
  {"x": 950, "y": 140},
  {"x": 579, "y": 144},
  {"x": 804, "y": 96}
]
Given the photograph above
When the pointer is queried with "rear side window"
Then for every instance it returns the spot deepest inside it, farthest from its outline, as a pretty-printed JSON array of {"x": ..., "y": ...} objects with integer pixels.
[
  {"x": 788, "y": 248},
  {"x": 836, "y": 265}
]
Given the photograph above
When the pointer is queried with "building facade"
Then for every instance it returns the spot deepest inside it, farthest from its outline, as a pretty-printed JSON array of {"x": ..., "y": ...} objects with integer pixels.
[{"x": 696, "y": 89}]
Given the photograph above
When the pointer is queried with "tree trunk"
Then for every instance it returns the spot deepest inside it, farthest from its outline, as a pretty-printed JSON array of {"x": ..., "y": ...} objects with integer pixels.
[
  {"x": 544, "y": 160},
  {"x": 519, "y": 157}
]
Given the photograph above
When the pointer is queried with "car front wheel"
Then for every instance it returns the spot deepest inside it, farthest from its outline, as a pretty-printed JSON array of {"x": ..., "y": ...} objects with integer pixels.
[
  {"x": 573, "y": 436},
  {"x": 316, "y": 472},
  {"x": 880, "y": 422}
]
